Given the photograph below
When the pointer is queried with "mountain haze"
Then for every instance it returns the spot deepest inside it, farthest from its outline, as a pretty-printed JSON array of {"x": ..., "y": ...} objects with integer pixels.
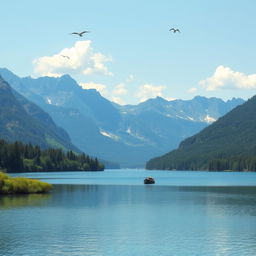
[
  {"x": 129, "y": 135},
  {"x": 22, "y": 120},
  {"x": 229, "y": 143}
]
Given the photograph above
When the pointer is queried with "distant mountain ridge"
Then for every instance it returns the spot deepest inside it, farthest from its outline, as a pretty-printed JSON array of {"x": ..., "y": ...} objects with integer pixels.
[
  {"x": 227, "y": 144},
  {"x": 199, "y": 109},
  {"x": 23, "y": 120},
  {"x": 129, "y": 135}
]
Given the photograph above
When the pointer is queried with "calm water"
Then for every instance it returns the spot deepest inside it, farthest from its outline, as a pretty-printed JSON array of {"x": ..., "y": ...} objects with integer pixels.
[{"x": 113, "y": 213}]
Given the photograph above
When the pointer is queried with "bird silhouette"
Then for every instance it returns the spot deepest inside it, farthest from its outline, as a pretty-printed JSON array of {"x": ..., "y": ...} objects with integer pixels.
[
  {"x": 174, "y": 30},
  {"x": 80, "y": 33},
  {"x": 65, "y": 56}
]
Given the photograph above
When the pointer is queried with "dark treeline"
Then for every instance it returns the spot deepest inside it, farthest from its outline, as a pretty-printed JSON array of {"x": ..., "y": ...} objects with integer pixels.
[
  {"x": 19, "y": 157},
  {"x": 238, "y": 163}
]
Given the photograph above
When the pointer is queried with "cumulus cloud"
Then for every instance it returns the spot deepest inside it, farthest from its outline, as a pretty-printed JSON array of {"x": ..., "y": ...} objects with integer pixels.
[
  {"x": 98, "y": 66},
  {"x": 226, "y": 78},
  {"x": 81, "y": 59},
  {"x": 148, "y": 91},
  {"x": 120, "y": 89},
  {"x": 192, "y": 90},
  {"x": 91, "y": 85}
]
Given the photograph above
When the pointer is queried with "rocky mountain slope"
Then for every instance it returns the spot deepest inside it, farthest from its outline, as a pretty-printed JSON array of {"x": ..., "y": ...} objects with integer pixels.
[
  {"x": 129, "y": 135},
  {"x": 227, "y": 144},
  {"x": 22, "y": 120}
]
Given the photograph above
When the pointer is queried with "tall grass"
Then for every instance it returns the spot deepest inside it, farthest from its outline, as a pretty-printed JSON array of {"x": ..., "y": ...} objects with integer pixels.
[{"x": 20, "y": 185}]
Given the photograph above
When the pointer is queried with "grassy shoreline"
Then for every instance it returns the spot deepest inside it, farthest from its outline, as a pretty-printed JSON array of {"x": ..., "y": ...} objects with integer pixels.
[{"x": 20, "y": 185}]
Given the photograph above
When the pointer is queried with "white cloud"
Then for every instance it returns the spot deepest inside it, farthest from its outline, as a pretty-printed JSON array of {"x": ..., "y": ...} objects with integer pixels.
[
  {"x": 192, "y": 90},
  {"x": 91, "y": 85},
  {"x": 226, "y": 78},
  {"x": 120, "y": 89},
  {"x": 148, "y": 91},
  {"x": 98, "y": 66},
  {"x": 81, "y": 60},
  {"x": 170, "y": 98},
  {"x": 118, "y": 100}
]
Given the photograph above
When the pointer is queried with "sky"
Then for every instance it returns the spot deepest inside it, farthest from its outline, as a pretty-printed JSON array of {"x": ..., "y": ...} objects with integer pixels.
[{"x": 130, "y": 55}]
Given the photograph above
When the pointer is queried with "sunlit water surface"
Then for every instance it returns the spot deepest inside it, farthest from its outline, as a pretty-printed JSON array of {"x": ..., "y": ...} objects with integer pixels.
[{"x": 114, "y": 213}]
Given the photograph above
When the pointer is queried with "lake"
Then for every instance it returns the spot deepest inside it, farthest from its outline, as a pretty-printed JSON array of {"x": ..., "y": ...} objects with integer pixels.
[{"x": 112, "y": 213}]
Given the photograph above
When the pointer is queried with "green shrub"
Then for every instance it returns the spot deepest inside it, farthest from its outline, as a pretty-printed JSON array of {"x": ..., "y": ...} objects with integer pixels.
[{"x": 20, "y": 185}]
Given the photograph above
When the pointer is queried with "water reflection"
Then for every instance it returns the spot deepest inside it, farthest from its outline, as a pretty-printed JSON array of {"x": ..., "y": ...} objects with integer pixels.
[
  {"x": 130, "y": 220},
  {"x": 226, "y": 200},
  {"x": 215, "y": 199},
  {"x": 18, "y": 201}
]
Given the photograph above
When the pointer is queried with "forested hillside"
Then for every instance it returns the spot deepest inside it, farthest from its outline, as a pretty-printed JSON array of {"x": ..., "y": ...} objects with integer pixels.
[
  {"x": 19, "y": 157},
  {"x": 129, "y": 135},
  {"x": 22, "y": 120},
  {"x": 227, "y": 144}
]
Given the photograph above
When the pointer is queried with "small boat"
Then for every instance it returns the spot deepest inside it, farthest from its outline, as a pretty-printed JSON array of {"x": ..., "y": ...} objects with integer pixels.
[{"x": 149, "y": 180}]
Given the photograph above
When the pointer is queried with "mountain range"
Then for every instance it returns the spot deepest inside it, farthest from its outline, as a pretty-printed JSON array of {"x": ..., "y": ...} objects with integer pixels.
[
  {"x": 129, "y": 135},
  {"x": 22, "y": 120},
  {"x": 227, "y": 144}
]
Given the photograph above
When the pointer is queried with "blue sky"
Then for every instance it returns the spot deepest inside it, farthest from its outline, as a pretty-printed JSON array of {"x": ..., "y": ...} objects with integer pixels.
[{"x": 130, "y": 55}]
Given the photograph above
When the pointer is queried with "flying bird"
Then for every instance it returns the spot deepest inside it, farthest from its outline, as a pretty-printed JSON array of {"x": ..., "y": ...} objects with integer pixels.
[
  {"x": 65, "y": 56},
  {"x": 80, "y": 33},
  {"x": 174, "y": 30}
]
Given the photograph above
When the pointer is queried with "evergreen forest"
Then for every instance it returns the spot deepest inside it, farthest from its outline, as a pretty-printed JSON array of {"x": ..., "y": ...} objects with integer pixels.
[
  {"x": 20, "y": 157},
  {"x": 227, "y": 144}
]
